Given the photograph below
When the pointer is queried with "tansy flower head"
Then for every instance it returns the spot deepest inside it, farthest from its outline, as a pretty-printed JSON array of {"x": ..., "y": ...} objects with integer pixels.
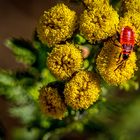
[
  {"x": 64, "y": 60},
  {"x": 131, "y": 5},
  {"x": 108, "y": 68},
  {"x": 94, "y": 3},
  {"x": 51, "y": 102},
  {"x": 98, "y": 23},
  {"x": 132, "y": 20},
  {"x": 56, "y": 24},
  {"x": 82, "y": 90}
]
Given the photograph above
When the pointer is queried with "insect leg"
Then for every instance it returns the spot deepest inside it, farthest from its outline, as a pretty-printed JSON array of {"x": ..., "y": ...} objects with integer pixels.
[
  {"x": 124, "y": 63},
  {"x": 120, "y": 64},
  {"x": 119, "y": 58},
  {"x": 116, "y": 42}
]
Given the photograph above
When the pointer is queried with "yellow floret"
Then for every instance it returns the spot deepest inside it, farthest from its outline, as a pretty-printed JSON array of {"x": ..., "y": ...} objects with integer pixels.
[
  {"x": 131, "y": 5},
  {"x": 96, "y": 3},
  {"x": 99, "y": 23},
  {"x": 64, "y": 60},
  {"x": 56, "y": 24},
  {"x": 51, "y": 103},
  {"x": 82, "y": 90},
  {"x": 113, "y": 73}
]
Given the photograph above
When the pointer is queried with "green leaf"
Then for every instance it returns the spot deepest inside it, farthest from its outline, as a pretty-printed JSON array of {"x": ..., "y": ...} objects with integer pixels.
[
  {"x": 22, "y": 50},
  {"x": 23, "y": 133},
  {"x": 25, "y": 113},
  {"x": 6, "y": 78},
  {"x": 16, "y": 94},
  {"x": 78, "y": 39},
  {"x": 42, "y": 53}
]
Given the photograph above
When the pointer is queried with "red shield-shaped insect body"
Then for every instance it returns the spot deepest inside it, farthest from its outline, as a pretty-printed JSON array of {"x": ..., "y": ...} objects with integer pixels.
[{"x": 127, "y": 40}]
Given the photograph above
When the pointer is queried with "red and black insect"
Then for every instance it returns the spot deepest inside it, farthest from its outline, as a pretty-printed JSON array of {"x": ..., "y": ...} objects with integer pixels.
[{"x": 127, "y": 41}]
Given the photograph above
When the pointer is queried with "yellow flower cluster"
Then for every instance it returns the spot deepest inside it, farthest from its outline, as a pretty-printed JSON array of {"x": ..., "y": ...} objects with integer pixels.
[
  {"x": 95, "y": 3},
  {"x": 56, "y": 24},
  {"x": 131, "y": 5},
  {"x": 113, "y": 73},
  {"x": 99, "y": 23},
  {"x": 51, "y": 102},
  {"x": 64, "y": 60},
  {"x": 82, "y": 90}
]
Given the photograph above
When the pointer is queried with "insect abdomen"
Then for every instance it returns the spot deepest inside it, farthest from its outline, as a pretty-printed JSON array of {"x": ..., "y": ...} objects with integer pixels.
[{"x": 127, "y": 36}]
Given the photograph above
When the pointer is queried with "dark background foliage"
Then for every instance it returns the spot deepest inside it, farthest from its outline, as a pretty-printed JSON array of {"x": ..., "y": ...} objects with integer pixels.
[{"x": 17, "y": 19}]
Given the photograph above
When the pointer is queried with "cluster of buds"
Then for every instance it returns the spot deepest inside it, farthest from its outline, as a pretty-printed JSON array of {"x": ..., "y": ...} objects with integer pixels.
[{"x": 79, "y": 86}]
